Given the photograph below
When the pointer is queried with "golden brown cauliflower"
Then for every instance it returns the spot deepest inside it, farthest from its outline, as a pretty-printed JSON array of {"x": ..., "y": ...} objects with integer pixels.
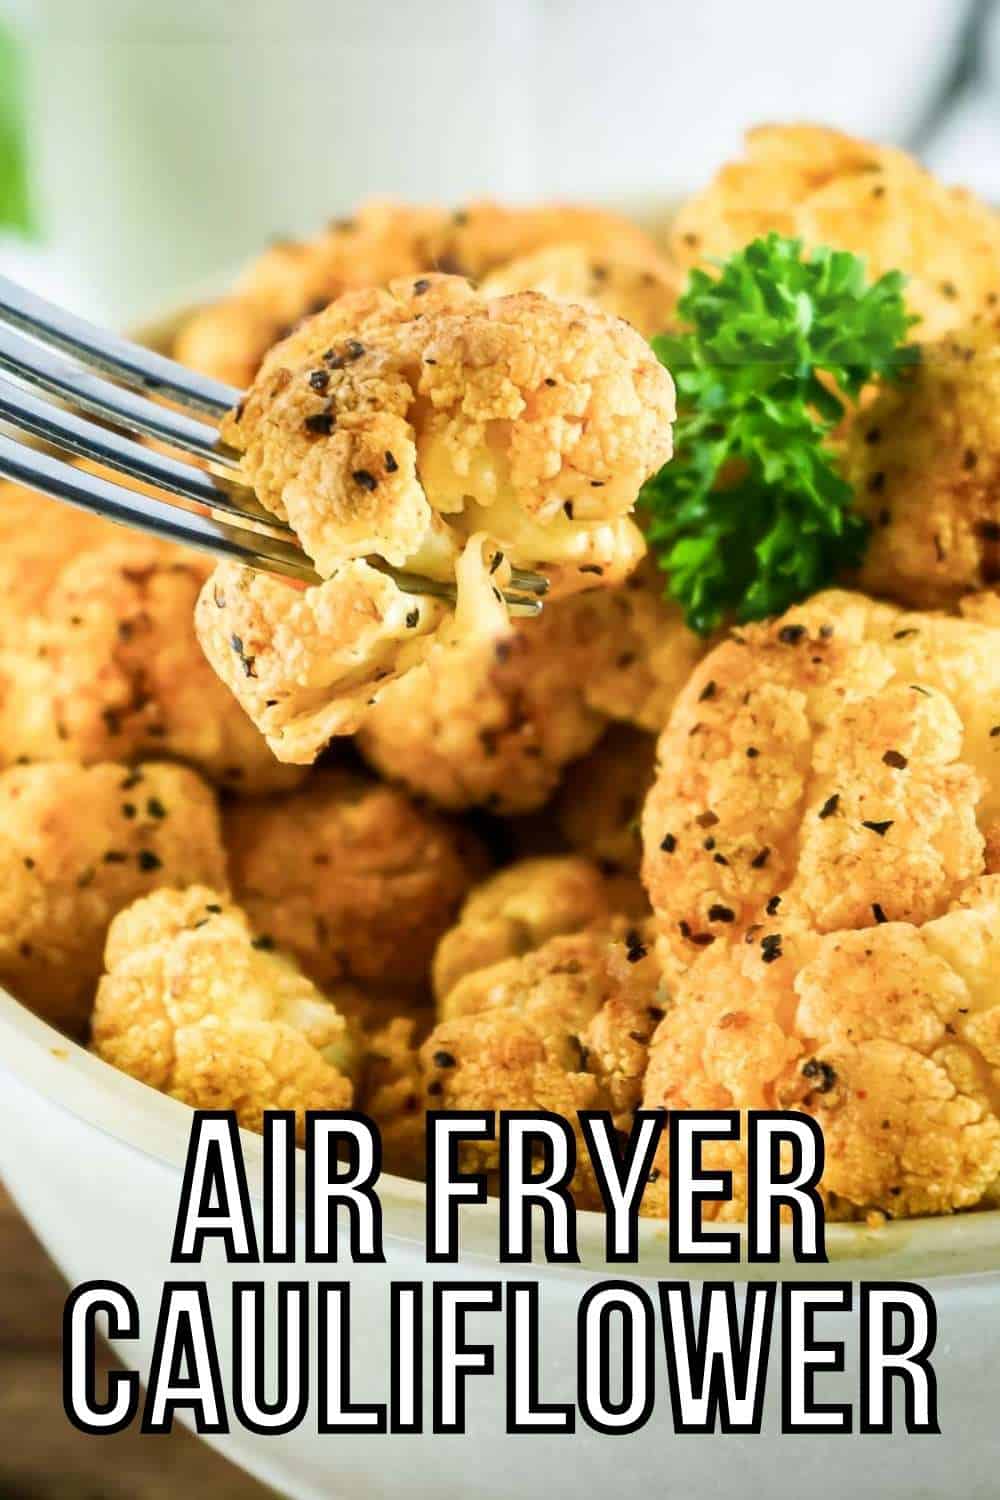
[
  {"x": 38, "y": 538},
  {"x": 924, "y": 462},
  {"x": 483, "y": 235},
  {"x": 889, "y": 1037},
  {"x": 393, "y": 1096},
  {"x": 828, "y": 189},
  {"x": 642, "y": 290},
  {"x": 488, "y": 718},
  {"x": 192, "y": 1004},
  {"x": 517, "y": 910},
  {"x": 229, "y": 338},
  {"x": 565, "y": 1027},
  {"x": 306, "y": 664},
  {"x": 351, "y": 877},
  {"x": 836, "y": 768},
  {"x": 601, "y": 799},
  {"x": 104, "y": 665},
  {"x": 76, "y": 845},
  {"x": 398, "y": 423}
]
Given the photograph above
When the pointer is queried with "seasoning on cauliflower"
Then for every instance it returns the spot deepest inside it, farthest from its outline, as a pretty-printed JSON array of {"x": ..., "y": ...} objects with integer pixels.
[
  {"x": 194, "y": 1005},
  {"x": 601, "y": 798},
  {"x": 889, "y": 1037},
  {"x": 104, "y": 665},
  {"x": 351, "y": 877},
  {"x": 76, "y": 845},
  {"x": 516, "y": 911},
  {"x": 488, "y": 719},
  {"x": 835, "y": 768},
  {"x": 381, "y": 240},
  {"x": 643, "y": 291},
  {"x": 397, "y": 423},
  {"x": 825, "y": 188},
  {"x": 565, "y": 1027},
  {"x": 924, "y": 462}
]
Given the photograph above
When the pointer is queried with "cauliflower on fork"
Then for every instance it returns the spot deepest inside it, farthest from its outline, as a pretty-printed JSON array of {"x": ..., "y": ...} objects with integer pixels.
[{"x": 197, "y": 1007}]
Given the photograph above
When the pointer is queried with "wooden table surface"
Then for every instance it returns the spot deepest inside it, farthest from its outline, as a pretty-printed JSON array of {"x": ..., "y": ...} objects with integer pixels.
[{"x": 41, "y": 1456}]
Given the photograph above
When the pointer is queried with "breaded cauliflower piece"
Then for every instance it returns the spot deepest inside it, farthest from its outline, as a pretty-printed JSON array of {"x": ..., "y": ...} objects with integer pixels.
[
  {"x": 924, "y": 462},
  {"x": 488, "y": 718},
  {"x": 193, "y": 1005},
  {"x": 351, "y": 877},
  {"x": 563, "y": 1028},
  {"x": 601, "y": 798},
  {"x": 484, "y": 235},
  {"x": 829, "y": 189},
  {"x": 836, "y": 767},
  {"x": 639, "y": 652},
  {"x": 78, "y": 844},
  {"x": 398, "y": 423},
  {"x": 105, "y": 665},
  {"x": 306, "y": 664},
  {"x": 229, "y": 338},
  {"x": 516, "y": 911},
  {"x": 38, "y": 538},
  {"x": 643, "y": 291},
  {"x": 889, "y": 1037}
]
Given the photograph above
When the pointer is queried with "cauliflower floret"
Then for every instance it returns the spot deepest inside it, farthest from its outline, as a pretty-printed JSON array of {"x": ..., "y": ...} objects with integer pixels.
[
  {"x": 643, "y": 291},
  {"x": 924, "y": 462},
  {"x": 229, "y": 338},
  {"x": 828, "y": 189},
  {"x": 835, "y": 766},
  {"x": 484, "y": 235},
  {"x": 600, "y": 801},
  {"x": 105, "y": 665},
  {"x": 517, "y": 910},
  {"x": 398, "y": 423},
  {"x": 38, "y": 538},
  {"x": 193, "y": 1005},
  {"x": 889, "y": 1037},
  {"x": 351, "y": 877},
  {"x": 563, "y": 1028},
  {"x": 488, "y": 719},
  {"x": 393, "y": 1096},
  {"x": 640, "y": 653},
  {"x": 76, "y": 845}
]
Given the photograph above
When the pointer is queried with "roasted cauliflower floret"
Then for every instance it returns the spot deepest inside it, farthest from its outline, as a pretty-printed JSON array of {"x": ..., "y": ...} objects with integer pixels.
[
  {"x": 643, "y": 291},
  {"x": 516, "y": 911},
  {"x": 351, "y": 877},
  {"x": 78, "y": 844},
  {"x": 398, "y": 423},
  {"x": 484, "y": 235},
  {"x": 837, "y": 767},
  {"x": 563, "y": 1028},
  {"x": 601, "y": 799},
  {"x": 192, "y": 1004},
  {"x": 828, "y": 189},
  {"x": 889, "y": 1037},
  {"x": 306, "y": 664},
  {"x": 394, "y": 1096},
  {"x": 38, "y": 538},
  {"x": 106, "y": 666},
  {"x": 924, "y": 462},
  {"x": 229, "y": 338},
  {"x": 488, "y": 718}
]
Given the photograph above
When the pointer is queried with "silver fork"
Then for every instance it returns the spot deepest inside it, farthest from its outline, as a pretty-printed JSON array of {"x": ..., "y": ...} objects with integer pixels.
[{"x": 103, "y": 378}]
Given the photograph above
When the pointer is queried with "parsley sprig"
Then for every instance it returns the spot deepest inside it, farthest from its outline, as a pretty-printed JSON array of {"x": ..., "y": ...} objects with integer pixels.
[{"x": 751, "y": 514}]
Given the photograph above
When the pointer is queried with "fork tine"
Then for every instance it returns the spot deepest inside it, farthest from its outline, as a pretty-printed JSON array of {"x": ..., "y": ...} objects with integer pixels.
[
  {"x": 122, "y": 360},
  {"x": 64, "y": 430},
  {"x": 38, "y": 471}
]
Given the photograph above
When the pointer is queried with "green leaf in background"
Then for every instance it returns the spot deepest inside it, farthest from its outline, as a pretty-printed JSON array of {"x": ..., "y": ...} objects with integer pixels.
[{"x": 15, "y": 203}]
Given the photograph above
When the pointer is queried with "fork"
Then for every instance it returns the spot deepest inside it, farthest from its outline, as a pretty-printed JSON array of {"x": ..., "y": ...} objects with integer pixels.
[{"x": 112, "y": 379}]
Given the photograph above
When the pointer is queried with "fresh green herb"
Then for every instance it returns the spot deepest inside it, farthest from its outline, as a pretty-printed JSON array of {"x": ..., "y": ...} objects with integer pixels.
[
  {"x": 15, "y": 206},
  {"x": 751, "y": 514}
]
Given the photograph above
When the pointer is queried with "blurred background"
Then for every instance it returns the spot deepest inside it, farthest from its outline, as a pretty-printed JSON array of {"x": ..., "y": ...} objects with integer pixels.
[{"x": 145, "y": 150}]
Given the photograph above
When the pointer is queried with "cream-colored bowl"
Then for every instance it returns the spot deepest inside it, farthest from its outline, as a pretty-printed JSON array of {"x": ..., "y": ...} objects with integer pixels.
[{"x": 94, "y": 1160}]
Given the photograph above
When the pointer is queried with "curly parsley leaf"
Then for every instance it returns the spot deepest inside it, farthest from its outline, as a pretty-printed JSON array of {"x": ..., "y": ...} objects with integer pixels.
[{"x": 751, "y": 514}]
